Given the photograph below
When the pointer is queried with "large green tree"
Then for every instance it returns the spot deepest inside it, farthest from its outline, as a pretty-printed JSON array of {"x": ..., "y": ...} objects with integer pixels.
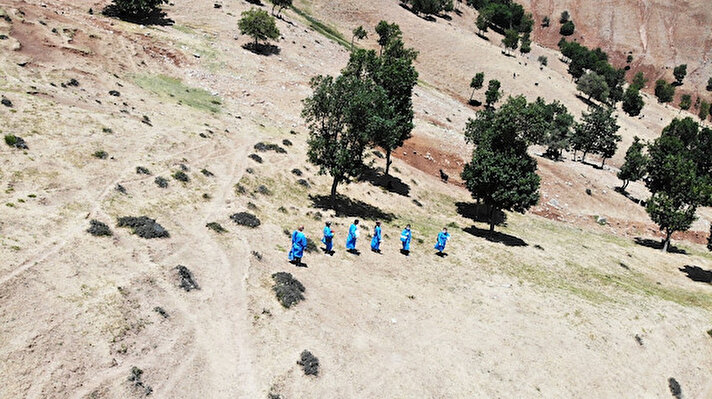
[
  {"x": 511, "y": 39},
  {"x": 259, "y": 25},
  {"x": 492, "y": 95},
  {"x": 632, "y": 101},
  {"x": 430, "y": 7},
  {"x": 393, "y": 71},
  {"x": 501, "y": 173},
  {"x": 597, "y": 133},
  {"x": 135, "y": 10},
  {"x": 476, "y": 83},
  {"x": 342, "y": 114},
  {"x": 679, "y": 175},
  {"x": 680, "y": 72},
  {"x": 594, "y": 86},
  {"x": 280, "y": 5},
  {"x": 633, "y": 168},
  {"x": 664, "y": 91}
]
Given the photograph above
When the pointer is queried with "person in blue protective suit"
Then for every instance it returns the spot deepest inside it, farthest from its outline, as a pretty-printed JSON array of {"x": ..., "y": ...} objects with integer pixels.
[
  {"x": 328, "y": 239},
  {"x": 377, "y": 238},
  {"x": 406, "y": 236},
  {"x": 443, "y": 236},
  {"x": 351, "y": 238},
  {"x": 299, "y": 243}
]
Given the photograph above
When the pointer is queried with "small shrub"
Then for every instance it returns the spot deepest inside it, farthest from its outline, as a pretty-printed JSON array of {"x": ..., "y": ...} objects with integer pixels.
[
  {"x": 206, "y": 196},
  {"x": 288, "y": 289},
  {"x": 101, "y": 154},
  {"x": 161, "y": 182},
  {"x": 181, "y": 176},
  {"x": 207, "y": 172},
  {"x": 304, "y": 183},
  {"x": 216, "y": 227},
  {"x": 6, "y": 102},
  {"x": 675, "y": 388},
  {"x": 264, "y": 147},
  {"x": 240, "y": 189},
  {"x": 98, "y": 229},
  {"x": 114, "y": 93},
  {"x": 262, "y": 189},
  {"x": 120, "y": 188},
  {"x": 282, "y": 209},
  {"x": 142, "y": 171},
  {"x": 107, "y": 130},
  {"x": 251, "y": 206},
  {"x": 245, "y": 219},
  {"x": 418, "y": 203},
  {"x": 250, "y": 171},
  {"x": 187, "y": 282},
  {"x": 135, "y": 378},
  {"x": 287, "y": 143},
  {"x": 15, "y": 141},
  {"x": 73, "y": 82},
  {"x": 257, "y": 255},
  {"x": 183, "y": 167},
  {"x": 255, "y": 158},
  {"x": 161, "y": 312},
  {"x": 143, "y": 227},
  {"x": 296, "y": 172},
  {"x": 309, "y": 363}
]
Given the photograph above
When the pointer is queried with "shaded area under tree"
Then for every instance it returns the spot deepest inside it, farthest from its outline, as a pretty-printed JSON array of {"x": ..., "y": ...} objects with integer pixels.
[
  {"x": 393, "y": 184},
  {"x": 658, "y": 244},
  {"x": 345, "y": 206},
  {"x": 696, "y": 273}
]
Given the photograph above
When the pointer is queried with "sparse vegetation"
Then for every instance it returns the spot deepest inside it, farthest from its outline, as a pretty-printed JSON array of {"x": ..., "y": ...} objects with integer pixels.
[
  {"x": 206, "y": 173},
  {"x": 639, "y": 81},
  {"x": 135, "y": 377},
  {"x": 685, "y": 102},
  {"x": 309, "y": 363},
  {"x": 255, "y": 158},
  {"x": 99, "y": 229},
  {"x": 543, "y": 60},
  {"x": 142, "y": 171},
  {"x": 173, "y": 89},
  {"x": 15, "y": 141},
  {"x": 181, "y": 176},
  {"x": 259, "y": 25},
  {"x": 143, "y": 227},
  {"x": 161, "y": 182},
  {"x": 186, "y": 280},
  {"x": 289, "y": 290},
  {"x": 245, "y": 219},
  {"x": 216, "y": 227},
  {"x": 264, "y": 147},
  {"x": 101, "y": 154}
]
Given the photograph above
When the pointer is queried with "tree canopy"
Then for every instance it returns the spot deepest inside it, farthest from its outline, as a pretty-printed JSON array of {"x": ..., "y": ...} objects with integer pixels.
[
  {"x": 633, "y": 168},
  {"x": 135, "y": 10},
  {"x": 501, "y": 172},
  {"x": 492, "y": 95},
  {"x": 582, "y": 59},
  {"x": 680, "y": 72},
  {"x": 476, "y": 83},
  {"x": 597, "y": 133},
  {"x": 632, "y": 101},
  {"x": 511, "y": 39},
  {"x": 280, "y": 5},
  {"x": 430, "y": 7},
  {"x": 664, "y": 91},
  {"x": 259, "y": 25},
  {"x": 685, "y": 102},
  {"x": 594, "y": 86},
  {"x": 503, "y": 14},
  {"x": 567, "y": 28}
]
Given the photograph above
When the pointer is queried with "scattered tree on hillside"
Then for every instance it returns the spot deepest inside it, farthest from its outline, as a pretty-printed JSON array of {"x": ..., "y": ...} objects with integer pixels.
[
  {"x": 632, "y": 101},
  {"x": 629, "y": 59},
  {"x": 259, "y": 25},
  {"x": 709, "y": 84},
  {"x": 393, "y": 71},
  {"x": 546, "y": 22},
  {"x": 280, "y": 5},
  {"x": 664, "y": 91},
  {"x": 567, "y": 29},
  {"x": 556, "y": 123},
  {"x": 597, "y": 133},
  {"x": 482, "y": 23},
  {"x": 543, "y": 60},
  {"x": 594, "y": 86},
  {"x": 341, "y": 115},
  {"x": 476, "y": 83},
  {"x": 504, "y": 14},
  {"x": 429, "y": 7},
  {"x": 511, "y": 39},
  {"x": 387, "y": 32},
  {"x": 639, "y": 81},
  {"x": 680, "y": 72},
  {"x": 135, "y": 10},
  {"x": 358, "y": 34},
  {"x": 501, "y": 173},
  {"x": 565, "y": 16},
  {"x": 492, "y": 95},
  {"x": 633, "y": 168},
  {"x": 583, "y": 60},
  {"x": 685, "y": 102},
  {"x": 679, "y": 175},
  {"x": 704, "y": 110}
]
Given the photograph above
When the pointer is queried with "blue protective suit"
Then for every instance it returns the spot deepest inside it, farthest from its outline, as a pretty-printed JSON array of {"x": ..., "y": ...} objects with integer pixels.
[
  {"x": 442, "y": 240},
  {"x": 328, "y": 239},
  {"x": 405, "y": 239},
  {"x": 351, "y": 238},
  {"x": 299, "y": 242},
  {"x": 376, "y": 240}
]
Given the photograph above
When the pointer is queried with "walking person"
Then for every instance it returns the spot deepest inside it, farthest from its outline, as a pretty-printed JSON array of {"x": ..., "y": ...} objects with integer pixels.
[
  {"x": 351, "y": 238},
  {"x": 443, "y": 236},
  {"x": 406, "y": 236},
  {"x": 299, "y": 243},
  {"x": 377, "y": 238},
  {"x": 328, "y": 239}
]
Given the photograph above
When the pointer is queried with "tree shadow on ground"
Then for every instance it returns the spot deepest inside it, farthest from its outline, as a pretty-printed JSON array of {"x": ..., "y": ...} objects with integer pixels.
[
  {"x": 496, "y": 236},
  {"x": 157, "y": 17},
  {"x": 474, "y": 103},
  {"x": 586, "y": 100},
  {"x": 482, "y": 36},
  {"x": 506, "y": 54},
  {"x": 345, "y": 206},
  {"x": 393, "y": 184},
  {"x": 630, "y": 197},
  {"x": 262, "y": 49},
  {"x": 658, "y": 244},
  {"x": 255, "y": 2},
  {"x": 593, "y": 165},
  {"x": 696, "y": 273},
  {"x": 479, "y": 213}
]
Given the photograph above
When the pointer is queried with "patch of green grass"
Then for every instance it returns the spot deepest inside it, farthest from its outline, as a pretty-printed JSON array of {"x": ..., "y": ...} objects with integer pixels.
[
  {"x": 184, "y": 29},
  {"x": 325, "y": 30},
  {"x": 166, "y": 86}
]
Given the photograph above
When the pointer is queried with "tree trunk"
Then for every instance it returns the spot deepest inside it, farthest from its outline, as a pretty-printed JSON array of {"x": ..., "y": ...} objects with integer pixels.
[
  {"x": 491, "y": 218},
  {"x": 273, "y": 6},
  {"x": 666, "y": 243},
  {"x": 352, "y": 42},
  {"x": 583, "y": 158},
  {"x": 472, "y": 95},
  {"x": 625, "y": 184},
  {"x": 388, "y": 161},
  {"x": 333, "y": 192},
  {"x": 603, "y": 163}
]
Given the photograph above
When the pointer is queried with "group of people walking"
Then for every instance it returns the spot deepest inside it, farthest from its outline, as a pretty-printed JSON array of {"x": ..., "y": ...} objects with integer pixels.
[{"x": 299, "y": 241}]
